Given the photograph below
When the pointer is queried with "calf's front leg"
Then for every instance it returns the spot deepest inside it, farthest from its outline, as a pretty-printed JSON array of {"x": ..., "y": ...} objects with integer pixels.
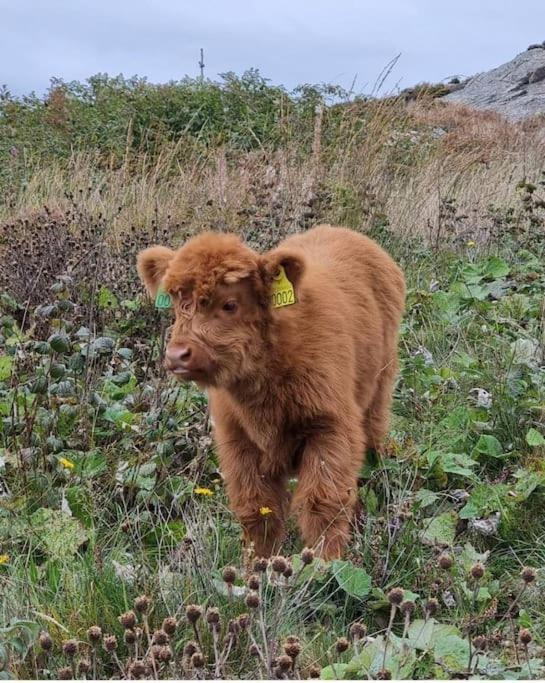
[
  {"x": 259, "y": 501},
  {"x": 327, "y": 488}
]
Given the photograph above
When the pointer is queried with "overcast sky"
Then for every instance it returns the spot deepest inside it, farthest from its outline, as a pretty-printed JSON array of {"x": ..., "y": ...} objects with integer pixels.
[{"x": 290, "y": 41}]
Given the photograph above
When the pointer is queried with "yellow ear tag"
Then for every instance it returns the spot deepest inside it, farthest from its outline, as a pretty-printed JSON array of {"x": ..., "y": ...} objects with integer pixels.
[
  {"x": 283, "y": 293},
  {"x": 163, "y": 300}
]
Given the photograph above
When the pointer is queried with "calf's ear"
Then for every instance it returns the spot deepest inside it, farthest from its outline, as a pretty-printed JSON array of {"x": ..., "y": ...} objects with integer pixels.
[
  {"x": 152, "y": 265},
  {"x": 292, "y": 260}
]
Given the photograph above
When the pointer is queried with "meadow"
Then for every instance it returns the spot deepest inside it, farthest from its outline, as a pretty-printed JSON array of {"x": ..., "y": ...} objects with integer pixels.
[{"x": 119, "y": 557}]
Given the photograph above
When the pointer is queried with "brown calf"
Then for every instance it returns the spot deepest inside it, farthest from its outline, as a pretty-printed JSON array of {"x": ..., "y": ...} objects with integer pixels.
[{"x": 298, "y": 351}]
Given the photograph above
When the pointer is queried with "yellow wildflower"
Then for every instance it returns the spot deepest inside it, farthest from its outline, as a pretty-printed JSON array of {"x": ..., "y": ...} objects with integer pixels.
[
  {"x": 265, "y": 511},
  {"x": 200, "y": 491},
  {"x": 4, "y": 559},
  {"x": 67, "y": 464},
  {"x": 470, "y": 243}
]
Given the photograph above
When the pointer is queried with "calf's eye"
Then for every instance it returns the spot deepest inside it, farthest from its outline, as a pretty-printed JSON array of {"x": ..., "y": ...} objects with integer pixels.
[{"x": 230, "y": 306}]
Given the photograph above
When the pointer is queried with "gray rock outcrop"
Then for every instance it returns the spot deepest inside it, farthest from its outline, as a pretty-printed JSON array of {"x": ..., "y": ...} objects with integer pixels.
[{"x": 515, "y": 89}]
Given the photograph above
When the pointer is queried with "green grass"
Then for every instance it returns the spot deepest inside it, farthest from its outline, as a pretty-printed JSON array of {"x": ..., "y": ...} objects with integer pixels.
[{"x": 81, "y": 540}]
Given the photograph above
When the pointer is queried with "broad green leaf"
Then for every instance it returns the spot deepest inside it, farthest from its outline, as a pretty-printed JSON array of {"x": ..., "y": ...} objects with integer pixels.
[
  {"x": 6, "y": 365},
  {"x": 488, "y": 445},
  {"x": 425, "y": 497},
  {"x": 333, "y": 672},
  {"x": 353, "y": 580},
  {"x": 453, "y": 652},
  {"x": 107, "y": 299},
  {"x": 439, "y": 530},
  {"x": 56, "y": 533},
  {"x": 534, "y": 438},
  {"x": 495, "y": 267}
]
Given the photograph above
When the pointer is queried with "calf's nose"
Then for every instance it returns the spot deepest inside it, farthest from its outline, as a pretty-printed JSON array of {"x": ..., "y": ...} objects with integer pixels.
[{"x": 178, "y": 355}]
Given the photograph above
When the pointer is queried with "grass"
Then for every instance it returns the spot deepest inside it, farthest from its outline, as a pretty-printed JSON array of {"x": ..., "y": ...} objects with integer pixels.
[{"x": 109, "y": 485}]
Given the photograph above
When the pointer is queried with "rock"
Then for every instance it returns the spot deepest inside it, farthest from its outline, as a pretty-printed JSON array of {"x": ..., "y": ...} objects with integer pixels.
[{"x": 515, "y": 89}]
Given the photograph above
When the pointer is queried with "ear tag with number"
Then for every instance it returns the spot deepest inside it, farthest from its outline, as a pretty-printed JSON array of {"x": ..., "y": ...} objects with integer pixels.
[
  {"x": 283, "y": 293},
  {"x": 163, "y": 300}
]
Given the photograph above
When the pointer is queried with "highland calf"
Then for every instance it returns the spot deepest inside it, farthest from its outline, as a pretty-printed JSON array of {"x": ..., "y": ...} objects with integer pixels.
[{"x": 297, "y": 349}]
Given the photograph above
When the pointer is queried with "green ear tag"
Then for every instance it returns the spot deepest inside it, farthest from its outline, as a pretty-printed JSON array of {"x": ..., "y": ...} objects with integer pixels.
[{"x": 163, "y": 300}]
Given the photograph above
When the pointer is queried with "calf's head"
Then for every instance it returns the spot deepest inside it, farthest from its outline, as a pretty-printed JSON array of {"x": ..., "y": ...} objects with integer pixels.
[{"x": 221, "y": 301}]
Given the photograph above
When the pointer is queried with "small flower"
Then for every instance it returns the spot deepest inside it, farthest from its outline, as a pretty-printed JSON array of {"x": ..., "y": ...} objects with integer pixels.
[
  {"x": 292, "y": 647},
  {"x": 110, "y": 643},
  {"x": 202, "y": 491},
  {"x": 197, "y": 660},
  {"x": 479, "y": 643},
  {"x": 190, "y": 648},
  {"x": 265, "y": 511},
  {"x": 314, "y": 671},
  {"x": 244, "y": 621},
  {"x": 253, "y": 582},
  {"x": 432, "y": 605},
  {"x": 279, "y": 564},
  {"x": 137, "y": 669},
  {"x": 284, "y": 662},
  {"x": 67, "y": 464},
  {"x": 407, "y": 607},
  {"x": 160, "y": 637},
  {"x": 358, "y": 630},
  {"x": 470, "y": 243},
  {"x": 4, "y": 559},
  {"x": 84, "y": 666},
  {"x": 260, "y": 564},
  {"x": 384, "y": 675},
  {"x": 129, "y": 637},
  {"x": 65, "y": 674},
  {"x": 288, "y": 571}
]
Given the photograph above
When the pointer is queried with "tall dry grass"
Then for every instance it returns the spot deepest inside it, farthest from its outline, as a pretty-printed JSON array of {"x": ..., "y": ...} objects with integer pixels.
[{"x": 385, "y": 161}]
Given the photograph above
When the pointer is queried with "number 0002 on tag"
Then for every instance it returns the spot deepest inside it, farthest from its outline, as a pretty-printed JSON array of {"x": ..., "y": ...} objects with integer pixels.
[{"x": 283, "y": 293}]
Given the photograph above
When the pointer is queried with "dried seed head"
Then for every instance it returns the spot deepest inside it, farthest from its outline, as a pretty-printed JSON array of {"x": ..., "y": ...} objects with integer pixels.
[
  {"x": 213, "y": 615},
  {"x": 445, "y": 561},
  {"x": 160, "y": 637},
  {"x": 137, "y": 669},
  {"x": 110, "y": 643},
  {"x": 525, "y": 636},
  {"x": 395, "y": 596},
  {"x": 169, "y": 625},
  {"x": 432, "y": 606},
  {"x": 293, "y": 639},
  {"x": 342, "y": 645},
  {"x": 128, "y": 619},
  {"x": 129, "y": 636},
  {"x": 197, "y": 660},
  {"x": 254, "y": 650},
  {"x": 233, "y": 627},
  {"x": 284, "y": 662},
  {"x": 84, "y": 666},
  {"x": 243, "y": 621},
  {"x": 252, "y": 600},
  {"x": 193, "y": 613},
  {"x": 229, "y": 575},
  {"x": 190, "y": 647},
  {"x": 384, "y": 675},
  {"x": 94, "y": 633},
  {"x": 253, "y": 582},
  {"x": 358, "y": 630},
  {"x": 165, "y": 654},
  {"x": 261, "y": 564},
  {"x": 293, "y": 649},
  {"x": 65, "y": 673},
  {"x": 477, "y": 571},
  {"x": 479, "y": 643},
  {"x": 70, "y": 648},
  {"x": 528, "y": 574},
  {"x": 307, "y": 556},
  {"x": 45, "y": 641},
  {"x": 288, "y": 571},
  {"x": 142, "y": 604},
  {"x": 314, "y": 671},
  {"x": 155, "y": 650},
  {"x": 407, "y": 607},
  {"x": 279, "y": 564}
]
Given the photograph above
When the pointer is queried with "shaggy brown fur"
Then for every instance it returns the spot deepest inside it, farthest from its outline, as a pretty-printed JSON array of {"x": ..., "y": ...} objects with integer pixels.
[{"x": 301, "y": 390}]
